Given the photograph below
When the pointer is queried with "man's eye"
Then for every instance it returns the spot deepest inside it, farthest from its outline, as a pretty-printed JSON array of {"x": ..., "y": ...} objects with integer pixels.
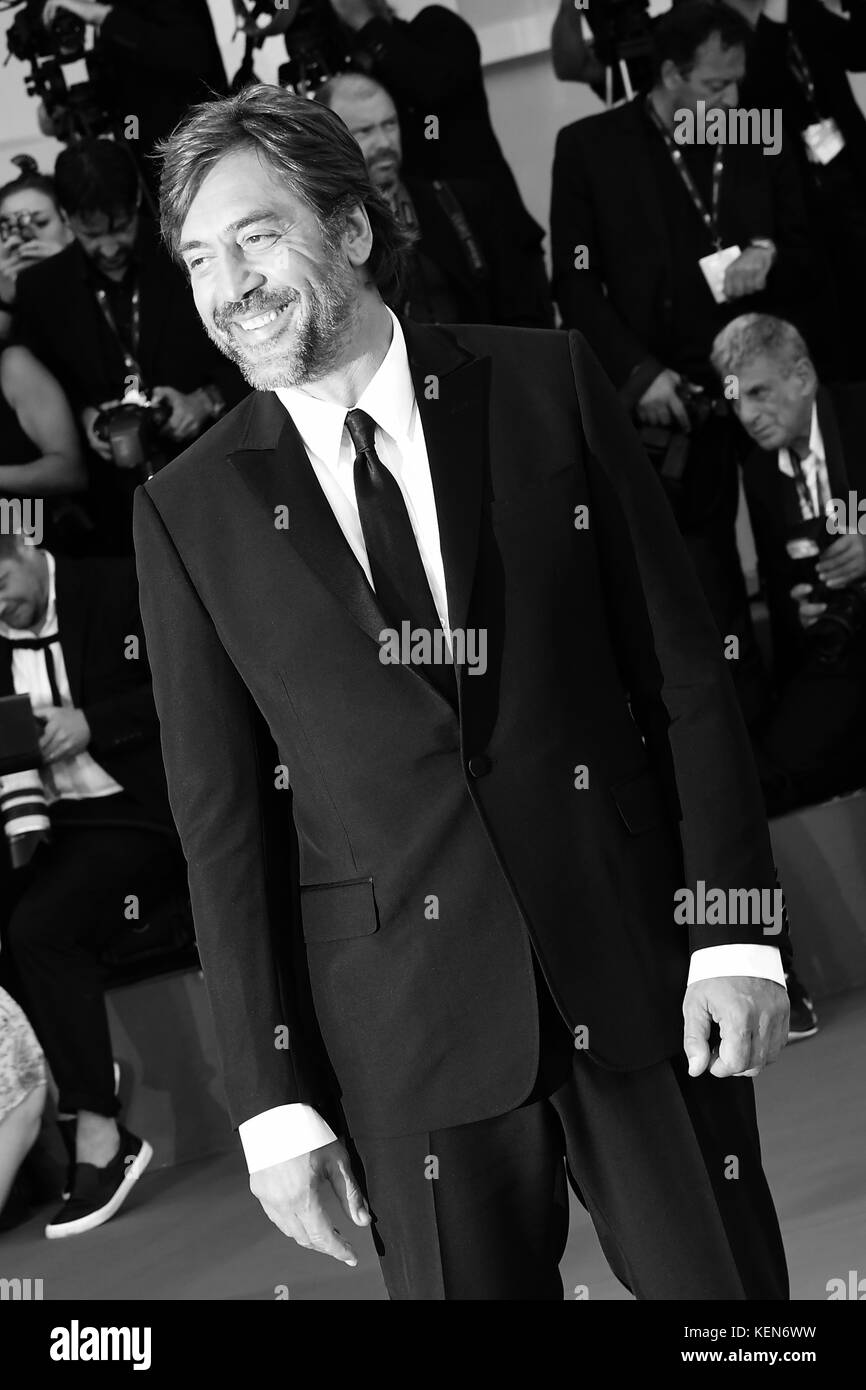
[
  {"x": 194, "y": 262},
  {"x": 260, "y": 241}
]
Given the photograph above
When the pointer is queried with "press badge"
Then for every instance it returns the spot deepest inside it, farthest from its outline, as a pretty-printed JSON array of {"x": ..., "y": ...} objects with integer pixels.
[
  {"x": 823, "y": 141},
  {"x": 714, "y": 267}
]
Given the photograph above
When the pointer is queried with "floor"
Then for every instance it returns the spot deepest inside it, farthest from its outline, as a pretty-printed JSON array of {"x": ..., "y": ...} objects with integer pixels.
[{"x": 194, "y": 1231}]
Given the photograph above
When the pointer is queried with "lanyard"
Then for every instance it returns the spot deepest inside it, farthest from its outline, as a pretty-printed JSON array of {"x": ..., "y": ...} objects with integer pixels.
[
  {"x": 129, "y": 359},
  {"x": 802, "y": 74},
  {"x": 709, "y": 217}
]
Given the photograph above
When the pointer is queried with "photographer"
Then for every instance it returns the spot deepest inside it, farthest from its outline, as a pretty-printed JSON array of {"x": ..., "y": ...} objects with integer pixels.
[
  {"x": 110, "y": 312},
  {"x": 431, "y": 66},
  {"x": 808, "y": 457},
  {"x": 154, "y": 58},
  {"x": 32, "y": 228},
  {"x": 640, "y": 225},
  {"x": 85, "y": 824},
  {"x": 464, "y": 266},
  {"x": 799, "y": 60}
]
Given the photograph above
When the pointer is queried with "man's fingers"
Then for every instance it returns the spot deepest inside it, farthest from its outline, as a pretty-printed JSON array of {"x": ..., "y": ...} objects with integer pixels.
[
  {"x": 348, "y": 1193},
  {"x": 696, "y": 1037},
  {"x": 323, "y": 1235},
  {"x": 735, "y": 1050}
]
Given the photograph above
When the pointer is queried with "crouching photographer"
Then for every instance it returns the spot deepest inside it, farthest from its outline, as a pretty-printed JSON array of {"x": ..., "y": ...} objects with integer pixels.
[
  {"x": 800, "y": 477},
  {"x": 112, "y": 318}
]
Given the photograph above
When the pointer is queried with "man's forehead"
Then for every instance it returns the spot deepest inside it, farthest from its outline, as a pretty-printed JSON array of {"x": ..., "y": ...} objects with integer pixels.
[
  {"x": 238, "y": 183},
  {"x": 711, "y": 57}
]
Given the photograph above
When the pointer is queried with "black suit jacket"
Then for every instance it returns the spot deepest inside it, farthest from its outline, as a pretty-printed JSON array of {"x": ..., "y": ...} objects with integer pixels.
[
  {"x": 506, "y": 293},
  {"x": 436, "y": 847},
  {"x": 842, "y": 421},
  {"x": 605, "y": 198},
  {"x": 97, "y": 615},
  {"x": 58, "y": 318}
]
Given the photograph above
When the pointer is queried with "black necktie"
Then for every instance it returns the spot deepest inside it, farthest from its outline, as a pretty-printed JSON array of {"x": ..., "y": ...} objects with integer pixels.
[
  {"x": 392, "y": 552},
  {"x": 43, "y": 644}
]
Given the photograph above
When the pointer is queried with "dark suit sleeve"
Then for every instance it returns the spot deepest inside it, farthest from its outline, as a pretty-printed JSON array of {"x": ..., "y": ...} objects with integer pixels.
[
  {"x": 218, "y": 790},
  {"x": 580, "y": 293},
  {"x": 796, "y": 270},
  {"x": 670, "y": 657}
]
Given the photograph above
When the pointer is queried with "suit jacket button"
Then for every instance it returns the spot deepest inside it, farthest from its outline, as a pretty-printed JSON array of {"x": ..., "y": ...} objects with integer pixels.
[{"x": 479, "y": 765}]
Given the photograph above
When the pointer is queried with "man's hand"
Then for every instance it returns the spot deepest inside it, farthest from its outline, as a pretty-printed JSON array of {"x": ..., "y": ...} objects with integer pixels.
[
  {"x": 189, "y": 413},
  {"x": 88, "y": 10},
  {"x": 99, "y": 446},
  {"x": 748, "y": 273},
  {"x": 807, "y": 612},
  {"x": 292, "y": 1193},
  {"x": 752, "y": 1015},
  {"x": 843, "y": 561},
  {"x": 65, "y": 732},
  {"x": 660, "y": 403},
  {"x": 354, "y": 13}
]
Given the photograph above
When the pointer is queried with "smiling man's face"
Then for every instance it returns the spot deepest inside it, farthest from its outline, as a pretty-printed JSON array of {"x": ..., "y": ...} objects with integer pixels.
[{"x": 276, "y": 296}]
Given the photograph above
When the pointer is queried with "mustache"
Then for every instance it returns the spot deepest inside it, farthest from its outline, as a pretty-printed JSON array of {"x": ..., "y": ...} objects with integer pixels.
[{"x": 256, "y": 302}]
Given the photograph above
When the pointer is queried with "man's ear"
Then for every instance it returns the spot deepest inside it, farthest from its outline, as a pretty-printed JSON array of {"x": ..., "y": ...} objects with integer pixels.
[
  {"x": 670, "y": 75},
  {"x": 807, "y": 377},
  {"x": 358, "y": 236}
]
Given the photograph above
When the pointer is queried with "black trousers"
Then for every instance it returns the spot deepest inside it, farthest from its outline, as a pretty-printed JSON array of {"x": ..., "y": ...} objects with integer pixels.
[
  {"x": 58, "y": 913},
  {"x": 668, "y": 1167}
]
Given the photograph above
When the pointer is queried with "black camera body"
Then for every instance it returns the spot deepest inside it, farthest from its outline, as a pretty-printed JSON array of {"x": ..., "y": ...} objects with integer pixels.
[
  {"x": 131, "y": 430},
  {"x": 835, "y": 634},
  {"x": 667, "y": 445},
  {"x": 74, "y": 111}
]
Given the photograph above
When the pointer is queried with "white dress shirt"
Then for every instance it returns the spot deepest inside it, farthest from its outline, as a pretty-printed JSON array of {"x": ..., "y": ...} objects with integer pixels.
[
  {"x": 79, "y": 777},
  {"x": 289, "y": 1130},
  {"x": 814, "y": 467}
]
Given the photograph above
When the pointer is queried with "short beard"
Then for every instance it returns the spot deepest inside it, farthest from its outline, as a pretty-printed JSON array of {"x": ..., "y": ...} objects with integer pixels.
[{"x": 326, "y": 319}]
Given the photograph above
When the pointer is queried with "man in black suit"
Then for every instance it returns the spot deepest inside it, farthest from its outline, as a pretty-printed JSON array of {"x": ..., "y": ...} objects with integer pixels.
[
  {"x": 91, "y": 835},
  {"x": 431, "y": 65},
  {"x": 431, "y": 586},
  {"x": 110, "y": 312},
  {"x": 634, "y": 210},
  {"x": 465, "y": 266},
  {"x": 799, "y": 478},
  {"x": 799, "y": 60}
]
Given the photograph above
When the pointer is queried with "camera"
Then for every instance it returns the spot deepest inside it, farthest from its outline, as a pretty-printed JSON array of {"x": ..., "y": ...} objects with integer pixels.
[
  {"x": 74, "y": 111},
  {"x": 833, "y": 635},
  {"x": 131, "y": 428},
  {"x": 668, "y": 446},
  {"x": 313, "y": 48}
]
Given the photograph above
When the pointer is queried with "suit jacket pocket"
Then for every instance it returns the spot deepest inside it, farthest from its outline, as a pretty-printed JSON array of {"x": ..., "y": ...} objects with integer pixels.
[
  {"x": 639, "y": 802},
  {"x": 338, "y": 911}
]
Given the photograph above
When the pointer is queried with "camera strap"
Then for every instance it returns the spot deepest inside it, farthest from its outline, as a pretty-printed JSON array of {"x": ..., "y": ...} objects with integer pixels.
[
  {"x": 129, "y": 353},
  {"x": 802, "y": 74},
  {"x": 709, "y": 216}
]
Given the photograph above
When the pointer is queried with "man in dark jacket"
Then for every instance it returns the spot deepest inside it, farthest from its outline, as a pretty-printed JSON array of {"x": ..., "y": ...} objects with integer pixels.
[
  {"x": 89, "y": 843},
  {"x": 466, "y": 266},
  {"x": 110, "y": 312},
  {"x": 477, "y": 957}
]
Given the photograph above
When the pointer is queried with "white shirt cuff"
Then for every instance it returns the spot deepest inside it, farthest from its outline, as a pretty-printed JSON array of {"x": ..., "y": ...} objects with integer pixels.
[
  {"x": 738, "y": 959},
  {"x": 284, "y": 1132}
]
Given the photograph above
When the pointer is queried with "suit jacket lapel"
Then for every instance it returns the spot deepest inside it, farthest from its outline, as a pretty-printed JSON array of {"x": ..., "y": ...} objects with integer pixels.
[
  {"x": 277, "y": 470},
  {"x": 834, "y": 454},
  {"x": 452, "y": 389}
]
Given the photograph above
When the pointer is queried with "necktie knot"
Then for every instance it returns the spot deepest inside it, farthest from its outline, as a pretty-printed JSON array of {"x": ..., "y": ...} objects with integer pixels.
[{"x": 362, "y": 431}]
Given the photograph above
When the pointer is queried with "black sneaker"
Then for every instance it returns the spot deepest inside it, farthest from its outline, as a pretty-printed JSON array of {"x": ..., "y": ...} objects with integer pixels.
[
  {"x": 68, "y": 1129},
  {"x": 98, "y": 1193},
  {"x": 803, "y": 1022}
]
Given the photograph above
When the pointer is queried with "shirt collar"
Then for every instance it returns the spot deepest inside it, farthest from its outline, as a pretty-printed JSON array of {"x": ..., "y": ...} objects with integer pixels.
[
  {"x": 389, "y": 399},
  {"x": 816, "y": 446},
  {"x": 49, "y": 622}
]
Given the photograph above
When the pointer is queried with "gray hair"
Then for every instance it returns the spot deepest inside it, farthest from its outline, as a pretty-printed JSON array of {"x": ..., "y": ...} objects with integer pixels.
[{"x": 757, "y": 335}]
